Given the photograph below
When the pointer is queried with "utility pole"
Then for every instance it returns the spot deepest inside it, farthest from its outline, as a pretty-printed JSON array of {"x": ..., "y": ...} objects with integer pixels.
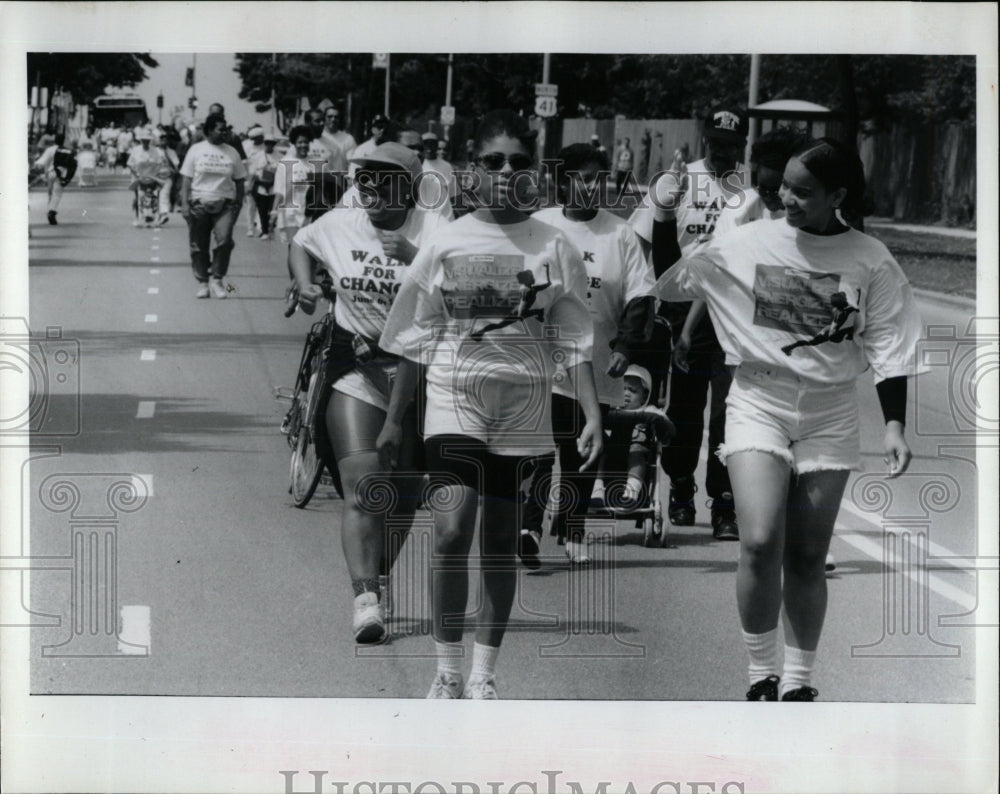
[
  {"x": 447, "y": 96},
  {"x": 388, "y": 64},
  {"x": 754, "y": 89}
]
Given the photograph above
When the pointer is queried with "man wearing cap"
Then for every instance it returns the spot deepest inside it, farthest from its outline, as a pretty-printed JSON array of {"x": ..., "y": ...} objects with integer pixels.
[
  {"x": 686, "y": 203},
  {"x": 379, "y": 127},
  {"x": 147, "y": 161},
  {"x": 438, "y": 172},
  {"x": 253, "y": 144}
]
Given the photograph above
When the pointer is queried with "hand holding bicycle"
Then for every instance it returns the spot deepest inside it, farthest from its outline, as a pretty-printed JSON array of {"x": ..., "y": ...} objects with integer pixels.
[{"x": 308, "y": 297}]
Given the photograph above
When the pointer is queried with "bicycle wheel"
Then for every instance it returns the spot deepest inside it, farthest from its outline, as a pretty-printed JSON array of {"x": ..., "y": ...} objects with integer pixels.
[{"x": 306, "y": 467}]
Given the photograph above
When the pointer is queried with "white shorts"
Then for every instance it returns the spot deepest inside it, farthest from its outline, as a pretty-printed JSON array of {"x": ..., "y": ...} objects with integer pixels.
[
  {"x": 370, "y": 383},
  {"x": 811, "y": 426},
  {"x": 510, "y": 418}
]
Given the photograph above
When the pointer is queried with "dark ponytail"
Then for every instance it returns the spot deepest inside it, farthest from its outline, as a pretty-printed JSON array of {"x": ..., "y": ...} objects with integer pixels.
[{"x": 837, "y": 165}]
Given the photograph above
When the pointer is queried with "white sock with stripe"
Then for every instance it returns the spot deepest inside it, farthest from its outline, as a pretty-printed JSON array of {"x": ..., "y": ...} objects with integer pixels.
[{"x": 798, "y": 669}]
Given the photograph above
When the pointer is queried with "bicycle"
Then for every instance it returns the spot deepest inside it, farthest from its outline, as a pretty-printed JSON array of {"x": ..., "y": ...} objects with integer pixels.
[{"x": 303, "y": 424}]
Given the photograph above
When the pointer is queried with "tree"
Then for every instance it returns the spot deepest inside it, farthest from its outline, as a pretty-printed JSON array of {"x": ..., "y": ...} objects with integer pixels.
[{"x": 86, "y": 75}]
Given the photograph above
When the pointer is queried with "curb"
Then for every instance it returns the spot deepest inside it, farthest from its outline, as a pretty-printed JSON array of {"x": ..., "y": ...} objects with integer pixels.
[{"x": 957, "y": 301}]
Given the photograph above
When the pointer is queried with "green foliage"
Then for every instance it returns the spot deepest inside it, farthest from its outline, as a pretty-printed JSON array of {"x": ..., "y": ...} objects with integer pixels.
[
  {"x": 914, "y": 88},
  {"x": 85, "y": 74}
]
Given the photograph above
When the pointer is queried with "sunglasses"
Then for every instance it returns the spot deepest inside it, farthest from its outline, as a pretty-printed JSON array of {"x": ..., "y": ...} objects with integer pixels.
[
  {"x": 768, "y": 192},
  {"x": 494, "y": 161}
]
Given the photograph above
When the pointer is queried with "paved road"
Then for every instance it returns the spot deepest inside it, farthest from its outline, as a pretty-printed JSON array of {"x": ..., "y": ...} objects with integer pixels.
[{"x": 246, "y": 595}]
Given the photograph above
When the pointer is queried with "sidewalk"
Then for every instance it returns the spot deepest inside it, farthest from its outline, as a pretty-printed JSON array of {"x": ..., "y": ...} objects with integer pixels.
[{"x": 944, "y": 231}]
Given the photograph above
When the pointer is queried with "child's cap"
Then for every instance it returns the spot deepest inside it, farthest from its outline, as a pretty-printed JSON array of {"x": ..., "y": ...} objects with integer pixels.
[{"x": 635, "y": 371}]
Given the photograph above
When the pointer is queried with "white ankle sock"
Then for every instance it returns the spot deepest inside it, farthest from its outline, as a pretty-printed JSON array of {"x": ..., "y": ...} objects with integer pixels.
[
  {"x": 449, "y": 657},
  {"x": 798, "y": 669},
  {"x": 763, "y": 651},
  {"x": 484, "y": 660}
]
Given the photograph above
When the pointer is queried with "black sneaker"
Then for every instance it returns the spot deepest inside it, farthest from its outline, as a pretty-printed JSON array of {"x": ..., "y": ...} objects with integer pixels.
[
  {"x": 803, "y": 693},
  {"x": 765, "y": 689},
  {"x": 52, "y": 219},
  {"x": 724, "y": 526},
  {"x": 528, "y": 548},
  {"x": 681, "y": 508}
]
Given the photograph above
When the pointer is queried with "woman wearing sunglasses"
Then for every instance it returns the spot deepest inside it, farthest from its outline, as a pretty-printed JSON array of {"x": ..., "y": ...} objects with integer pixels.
[
  {"x": 491, "y": 305},
  {"x": 366, "y": 251}
]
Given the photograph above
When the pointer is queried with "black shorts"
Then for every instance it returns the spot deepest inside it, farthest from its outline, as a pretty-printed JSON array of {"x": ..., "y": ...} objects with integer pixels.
[{"x": 454, "y": 459}]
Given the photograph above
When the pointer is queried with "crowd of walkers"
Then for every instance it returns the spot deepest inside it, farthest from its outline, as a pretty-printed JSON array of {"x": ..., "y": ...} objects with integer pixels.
[{"x": 480, "y": 338}]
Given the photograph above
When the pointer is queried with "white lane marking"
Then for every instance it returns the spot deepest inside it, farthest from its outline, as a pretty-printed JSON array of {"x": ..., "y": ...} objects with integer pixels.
[
  {"x": 143, "y": 482},
  {"x": 154, "y": 272},
  {"x": 934, "y": 550},
  {"x": 151, "y": 318},
  {"x": 874, "y": 550},
  {"x": 146, "y": 409},
  {"x": 148, "y": 355},
  {"x": 153, "y": 291},
  {"x": 156, "y": 247},
  {"x": 135, "y": 631},
  {"x": 154, "y": 259}
]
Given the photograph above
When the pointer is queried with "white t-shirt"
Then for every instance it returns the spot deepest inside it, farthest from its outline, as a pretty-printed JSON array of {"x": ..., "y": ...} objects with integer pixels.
[
  {"x": 616, "y": 274},
  {"x": 366, "y": 280},
  {"x": 447, "y": 177},
  {"x": 213, "y": 170},
  {"x": 485, "y": 303},
  {"x": 292, "y": 179},
  {"x": 339, "y": 146},
  {"x": 146, "y": 162},
  {"x": 704, "y": 200},
  {"x": 768, "y": 285}
]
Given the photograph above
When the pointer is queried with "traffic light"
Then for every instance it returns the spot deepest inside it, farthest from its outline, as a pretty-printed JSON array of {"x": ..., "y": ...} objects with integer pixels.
[
  {"x": 189, "y": 77},
  {"x": 193, "y": 103},
  {"x": 159, "y": 100}
]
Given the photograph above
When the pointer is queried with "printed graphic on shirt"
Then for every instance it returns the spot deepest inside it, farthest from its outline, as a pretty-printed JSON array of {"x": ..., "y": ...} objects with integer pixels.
[
  {"x": 706, "y": 215},
  {"x": 216, "y": 163},
  {"x": 378, "y": 280},
  {"x": 835, "y": 331},
  {"x": 494, "y": 286},
  {"x": 793, "y": 300}
]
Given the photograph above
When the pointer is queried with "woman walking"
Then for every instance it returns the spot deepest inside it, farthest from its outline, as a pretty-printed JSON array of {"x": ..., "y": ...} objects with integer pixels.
[
  {"x": 803, "y": 306},
  {"x": 492, "y": 303},
  {"x": 366, "y": 252}
]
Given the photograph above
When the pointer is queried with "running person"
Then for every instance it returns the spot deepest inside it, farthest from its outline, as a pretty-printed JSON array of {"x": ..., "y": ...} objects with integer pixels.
[
  {"x": 619, "y": 280},
  {"x": 792, "y": 417},
  {"x": 366, "y": 252},
  {"x": 488, "y": 391}
]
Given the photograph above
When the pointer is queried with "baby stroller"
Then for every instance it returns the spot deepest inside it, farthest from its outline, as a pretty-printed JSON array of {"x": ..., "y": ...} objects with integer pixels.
[
  {"x": 148, "y": 201},
  {"x": 644, "y": 503}
]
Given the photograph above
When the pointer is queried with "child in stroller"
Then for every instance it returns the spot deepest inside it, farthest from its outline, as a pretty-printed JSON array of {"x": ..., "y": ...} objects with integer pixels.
[{"x": 635, "y": 433}]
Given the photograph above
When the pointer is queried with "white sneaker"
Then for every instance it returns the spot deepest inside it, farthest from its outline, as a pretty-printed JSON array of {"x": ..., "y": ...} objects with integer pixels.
[
  {"x": 577, "y": 553},
  {"x": 481, "y": 688},
  {"x": 202, "y": 291},
  {"x": 445, "y": 687},
  {"x": 218, "y": 290},
  {"x": 369, "y": 620},
  {"x": 831, "y": 564}
]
